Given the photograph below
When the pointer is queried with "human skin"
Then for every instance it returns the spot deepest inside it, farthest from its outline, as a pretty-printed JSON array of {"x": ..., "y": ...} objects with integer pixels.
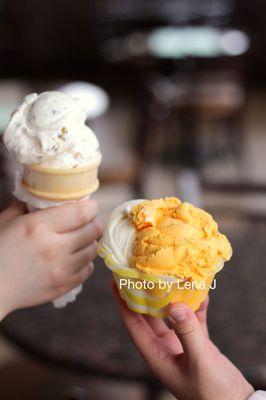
[
  {"x": 183, "y": 358},
  {"x": 46, "y": 253}
]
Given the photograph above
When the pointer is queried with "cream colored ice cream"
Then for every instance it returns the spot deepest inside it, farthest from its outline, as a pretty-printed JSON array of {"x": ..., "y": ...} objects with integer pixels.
[
  {"x": 119, "y": 234},
  {"x": 59, "y": 154},
  {"x": 49, "y": 130}
]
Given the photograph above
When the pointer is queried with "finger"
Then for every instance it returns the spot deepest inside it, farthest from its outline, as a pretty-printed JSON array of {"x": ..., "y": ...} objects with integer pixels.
[
  {"x": 69, "y": 217},
  {"x": 155, "y": 353},
  {"x": 81, "y": 276},
  {"x": 135, "y": 323},
  {"x": 83, "y": 257},
  {"x": 201, "y": 314},
  {"x": 82, "y": 237},
  {"x": 158, "y": 325},
  {"x": 187, "y": 328},
  {"x": 166, "y": 335},
  {"x": 13, "y": 211}
]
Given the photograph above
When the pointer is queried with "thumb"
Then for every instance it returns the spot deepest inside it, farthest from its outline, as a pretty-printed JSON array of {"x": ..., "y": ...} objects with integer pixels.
[{"x": 188, "y": 329}]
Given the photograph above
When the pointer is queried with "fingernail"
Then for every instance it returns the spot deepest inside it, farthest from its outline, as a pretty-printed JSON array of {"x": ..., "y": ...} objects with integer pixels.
[{"x": 178, "y": 314}]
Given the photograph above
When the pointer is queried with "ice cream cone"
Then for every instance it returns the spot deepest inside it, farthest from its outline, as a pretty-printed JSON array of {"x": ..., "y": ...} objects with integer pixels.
[
  {"x": 57, "y": 152},
  {"x": 61, "y": 184}
]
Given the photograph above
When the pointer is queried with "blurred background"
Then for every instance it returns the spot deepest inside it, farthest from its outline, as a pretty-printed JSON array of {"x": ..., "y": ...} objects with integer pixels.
[{"x": 176, "y": 94}]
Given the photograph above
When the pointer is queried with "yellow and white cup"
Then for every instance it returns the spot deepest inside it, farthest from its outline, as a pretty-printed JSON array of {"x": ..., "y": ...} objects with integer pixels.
[{"x": 153, "y": 298}]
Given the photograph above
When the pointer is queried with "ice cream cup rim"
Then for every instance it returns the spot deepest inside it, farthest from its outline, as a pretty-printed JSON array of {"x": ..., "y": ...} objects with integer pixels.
[{"x": 133, "y": 273}]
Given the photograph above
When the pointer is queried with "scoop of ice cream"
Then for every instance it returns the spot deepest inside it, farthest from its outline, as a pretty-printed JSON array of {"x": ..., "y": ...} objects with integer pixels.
[
  {"x": 166, "y": 237},
  {"x": 119, "y": 234},
  {"x": 177, "y": 239},
  {"x": 49, "y": 129}
]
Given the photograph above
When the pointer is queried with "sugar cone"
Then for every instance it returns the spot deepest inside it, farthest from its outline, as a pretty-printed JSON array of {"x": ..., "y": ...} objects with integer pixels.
[{"x": 61, "y": 184}]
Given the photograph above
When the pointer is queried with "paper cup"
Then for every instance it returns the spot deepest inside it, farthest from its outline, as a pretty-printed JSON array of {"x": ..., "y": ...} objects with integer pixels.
[
  {"x": 154, "y": 301},
  {"x": 61, "y": 184},
  {"x": 162, "y": 291}
]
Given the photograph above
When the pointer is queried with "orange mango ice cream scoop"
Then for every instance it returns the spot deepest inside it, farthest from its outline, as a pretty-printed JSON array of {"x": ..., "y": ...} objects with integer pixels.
[{"x": 177, "y": 239}]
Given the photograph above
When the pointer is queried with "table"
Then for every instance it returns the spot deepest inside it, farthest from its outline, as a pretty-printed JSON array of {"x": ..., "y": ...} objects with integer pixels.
[{"x": 88, "y": 336}]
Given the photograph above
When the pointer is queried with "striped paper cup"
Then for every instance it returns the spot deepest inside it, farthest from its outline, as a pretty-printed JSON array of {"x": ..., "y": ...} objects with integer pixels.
[{"x": 151, "y": 294}]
